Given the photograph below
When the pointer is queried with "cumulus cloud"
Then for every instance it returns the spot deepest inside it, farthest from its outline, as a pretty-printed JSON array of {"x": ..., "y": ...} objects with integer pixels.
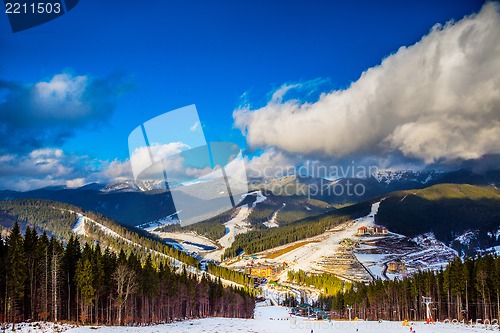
[
  {"x": 53, "y": 167},
  {"x": 45, "y": 113},
  {"x": 38, "y": 168},
  {"x": 168, "y": 153},
  {"x": 437, "y": 101},
  {"x": 271, "y": 163}
]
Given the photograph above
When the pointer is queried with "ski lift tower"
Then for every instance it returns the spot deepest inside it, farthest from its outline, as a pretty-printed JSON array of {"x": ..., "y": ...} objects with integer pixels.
[
  {"x": 428, "y": 315},
  {"x": 349, "y": 308}
]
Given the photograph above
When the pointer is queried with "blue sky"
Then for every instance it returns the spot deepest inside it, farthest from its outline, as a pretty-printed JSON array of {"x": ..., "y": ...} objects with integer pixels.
[{"x": 136, "y": 60}]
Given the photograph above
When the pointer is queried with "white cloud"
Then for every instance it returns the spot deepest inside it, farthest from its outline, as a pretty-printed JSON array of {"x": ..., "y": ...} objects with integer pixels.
[
  {"x": 77, "y": 182},
  {"x": 47, "y": 112},
  {"x": 53, "y": 167},
  {"x": 61, "y": 88},
  {"x": 271, "y": 163},
  {"x": 437, "y": 101},
  {"x": 38, "y": 168},
  {"x": 115, "y": 170},
  {"x": 141, "y": 157}
]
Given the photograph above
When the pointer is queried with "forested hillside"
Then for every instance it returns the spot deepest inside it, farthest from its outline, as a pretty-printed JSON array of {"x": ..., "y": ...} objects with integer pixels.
[
  {"x": 212, "y": 228},
  {"x": 448, "y": 210},
  {"x": 41, "y": 279},
  {"x": 128, "y": 208},
  {"x": 57, "y": 220},
  {"x": 285, "y": 210},
  {"x": 464, "y": 290}
]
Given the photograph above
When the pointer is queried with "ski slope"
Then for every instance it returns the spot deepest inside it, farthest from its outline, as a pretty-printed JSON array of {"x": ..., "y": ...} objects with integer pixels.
[
  {"x": 235, "y": 226},
  {"x": 268, "y": 319},
  {"x": 79, "y": 229}
]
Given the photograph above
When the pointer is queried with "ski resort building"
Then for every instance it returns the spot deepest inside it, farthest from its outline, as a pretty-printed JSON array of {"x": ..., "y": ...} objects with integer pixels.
[
  {"x": 372, "y": 230},
  {"x": 396, "y": 266},
  {"x": 263, "y": 270},
  {"x": 258, "y": 271}
]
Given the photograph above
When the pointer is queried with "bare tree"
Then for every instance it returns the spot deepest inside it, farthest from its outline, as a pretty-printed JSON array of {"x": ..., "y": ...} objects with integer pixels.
[
  {"x": 55, "y": 267},
  {"x": 126, "y": 285}
]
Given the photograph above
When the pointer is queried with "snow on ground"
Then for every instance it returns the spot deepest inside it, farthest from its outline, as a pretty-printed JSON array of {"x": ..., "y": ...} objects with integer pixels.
[
  {"x": 373, "y": 262},
  {"x": 259, "y": 197},
  {"x": 235, "y": 226},
  {"x": 308, "y": 256},
  {"x": 272, "y": 222},
  {"x": 493, "y": 250},
  {"x": 268, "y": 319},
  {"x": 495, "y": 235},
  {"x": 153, "y": 225},
  {"x": 467, "y": 237},
  {"x": 359, "y": 257},
  {"x": 37, "y": 327},
  {"x": 187, "y": 236},
  {"x": 79, "y": 227}
]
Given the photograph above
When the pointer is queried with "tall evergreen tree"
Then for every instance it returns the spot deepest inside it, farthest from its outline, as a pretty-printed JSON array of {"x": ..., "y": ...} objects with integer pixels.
[{"x": 16, "y": 271}]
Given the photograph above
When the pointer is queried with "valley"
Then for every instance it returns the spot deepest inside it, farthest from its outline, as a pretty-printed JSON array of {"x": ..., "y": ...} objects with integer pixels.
[
  {"x": 341, "y": 251},
  {"x": 279, "y": 242}
]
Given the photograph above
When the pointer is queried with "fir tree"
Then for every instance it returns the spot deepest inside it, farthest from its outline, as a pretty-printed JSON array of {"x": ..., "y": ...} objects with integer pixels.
[{"x": 16, "y": 270}]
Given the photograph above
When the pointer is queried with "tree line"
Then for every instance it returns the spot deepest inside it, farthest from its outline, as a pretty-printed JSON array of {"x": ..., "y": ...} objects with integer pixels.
[
  {"x": 329, "y": 284},
  {"x": 42, "y": 278},
  {"x": 211, "y": 228},
  {"x": 466, "y": 290},
  {"x": 231, "y": 275},
  {"x": 57, "y": 220}
]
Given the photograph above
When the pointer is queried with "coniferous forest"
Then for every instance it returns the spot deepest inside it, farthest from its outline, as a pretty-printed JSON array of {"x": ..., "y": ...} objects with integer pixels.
[
  {"x": 44, "y": 279},
  {"x": 464, "y": 291}
]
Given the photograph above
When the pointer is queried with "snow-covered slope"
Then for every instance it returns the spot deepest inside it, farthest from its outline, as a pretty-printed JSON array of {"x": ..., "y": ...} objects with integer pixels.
[
  {"x": 467, "y": 237},
  {"x": 392, "y": 176},
  {"x": 79, "y": 228},
  {"x": 123, "y": 186},
  {"x": 153, "y": 225},
  {"x": 268, "y": 319},
  {"x": 235, "y": 226}
]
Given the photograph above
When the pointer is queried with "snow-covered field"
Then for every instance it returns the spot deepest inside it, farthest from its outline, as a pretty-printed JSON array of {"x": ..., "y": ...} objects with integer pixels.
[
  {"x": 235, "y": 226},
  {"x": 268, "y": 319}
]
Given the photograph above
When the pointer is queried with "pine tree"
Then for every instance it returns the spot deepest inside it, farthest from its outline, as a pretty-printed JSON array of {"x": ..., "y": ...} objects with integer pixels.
[
  {"x": 16, "y": 272},
  {"x": 43, "y": 275},
  {"x": 85, "y": 283},
  {"x": 30, "y": 246},
  {"x": 69, "y": 261},
  {"x": 55, "y": 273}
]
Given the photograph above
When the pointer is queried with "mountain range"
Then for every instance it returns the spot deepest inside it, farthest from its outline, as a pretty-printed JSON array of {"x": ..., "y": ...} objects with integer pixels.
[{"x": 298, "y": 197}]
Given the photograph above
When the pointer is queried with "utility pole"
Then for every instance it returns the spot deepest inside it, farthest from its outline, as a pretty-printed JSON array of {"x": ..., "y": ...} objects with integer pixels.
[
  {"x": 349, "y": 308},
  {"x": 428, "y": 301}
]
